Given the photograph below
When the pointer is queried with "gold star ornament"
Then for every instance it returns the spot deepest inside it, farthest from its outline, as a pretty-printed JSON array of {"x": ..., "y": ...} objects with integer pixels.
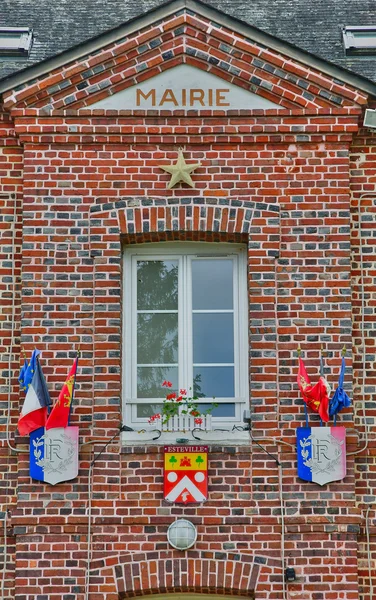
[{"x": 180, "y": 171}]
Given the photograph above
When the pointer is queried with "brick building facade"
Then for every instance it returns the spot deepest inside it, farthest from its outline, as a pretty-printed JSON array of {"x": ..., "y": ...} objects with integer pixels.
[{"x": 292, "y": 182}]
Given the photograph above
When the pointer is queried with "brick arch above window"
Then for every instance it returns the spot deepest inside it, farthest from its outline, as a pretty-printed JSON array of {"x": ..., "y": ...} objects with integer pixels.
[
  {"x": 140, "y": 220},
  {"x": 196, "y": 572}
]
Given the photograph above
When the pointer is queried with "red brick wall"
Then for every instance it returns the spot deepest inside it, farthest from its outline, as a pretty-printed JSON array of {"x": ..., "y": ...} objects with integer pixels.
[
  {"x": 363, "y": 209},
  {"x": 11, "y": 177},
  {"x": 278, "y": 181},
  {"x": 287, "y": 197}
]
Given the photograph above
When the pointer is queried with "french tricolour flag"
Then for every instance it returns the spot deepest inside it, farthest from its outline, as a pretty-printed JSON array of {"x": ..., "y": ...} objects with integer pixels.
[{"x": 35, "y": 409}]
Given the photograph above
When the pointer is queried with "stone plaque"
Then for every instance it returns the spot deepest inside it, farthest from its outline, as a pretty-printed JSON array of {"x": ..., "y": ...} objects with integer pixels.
[{"x": 184, "y": 87}]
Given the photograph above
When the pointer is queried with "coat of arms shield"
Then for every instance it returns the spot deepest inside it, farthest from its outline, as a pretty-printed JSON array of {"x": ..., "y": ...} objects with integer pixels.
[
  {"x": 54, "y": 454},
  {"x": 186, "y": 474},
  {"x": 321, "y": 454}
]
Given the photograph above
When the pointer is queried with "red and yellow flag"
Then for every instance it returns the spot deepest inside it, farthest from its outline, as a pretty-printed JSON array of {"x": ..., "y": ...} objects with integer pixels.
[
  {"x": 59, "y": 415},
  {"x": 315, "y": 396}
]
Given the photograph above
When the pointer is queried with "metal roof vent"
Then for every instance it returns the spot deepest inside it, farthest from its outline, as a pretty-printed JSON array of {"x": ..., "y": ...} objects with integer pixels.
[{"x": 15, "y": 41}]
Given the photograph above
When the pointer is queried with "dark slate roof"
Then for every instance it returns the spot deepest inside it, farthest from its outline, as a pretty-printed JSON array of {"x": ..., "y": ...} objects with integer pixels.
[{"x": 312, "y": 25}]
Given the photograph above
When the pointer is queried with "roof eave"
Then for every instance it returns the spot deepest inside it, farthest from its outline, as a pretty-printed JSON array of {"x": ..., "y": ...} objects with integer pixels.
[{"x": 168, "y": 9}]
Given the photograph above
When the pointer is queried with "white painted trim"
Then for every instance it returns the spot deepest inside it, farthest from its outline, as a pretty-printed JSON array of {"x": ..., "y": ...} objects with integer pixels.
[
  {"x": 127, "y": 333},
  {"x": 217, "y": 438}
]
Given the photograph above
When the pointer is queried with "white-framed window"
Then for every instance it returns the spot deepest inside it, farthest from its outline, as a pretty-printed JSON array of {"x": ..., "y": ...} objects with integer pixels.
[{"x": 185, "y": 321}]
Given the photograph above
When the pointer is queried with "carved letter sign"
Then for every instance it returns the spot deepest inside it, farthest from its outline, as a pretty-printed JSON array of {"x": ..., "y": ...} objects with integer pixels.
[{"x": 184, "y": 87}]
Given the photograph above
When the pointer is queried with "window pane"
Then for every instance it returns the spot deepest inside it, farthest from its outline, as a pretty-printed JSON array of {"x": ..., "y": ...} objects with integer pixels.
[
  {"x": 150, "y": 379},
  {"x": 214, "y": 382},
  {"x": 157, "y": 284},
  {"x": 212, "y": 284},
  {"x": 147, "y": 410},
  {"x": 213, "y": 338},
  {"x": 227, "y": 409},
  {"x": 157, "y": 338}
]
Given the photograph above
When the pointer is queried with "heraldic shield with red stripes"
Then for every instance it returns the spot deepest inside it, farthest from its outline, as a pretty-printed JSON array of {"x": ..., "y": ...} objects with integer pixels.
[{"x": 186, "y": 474}]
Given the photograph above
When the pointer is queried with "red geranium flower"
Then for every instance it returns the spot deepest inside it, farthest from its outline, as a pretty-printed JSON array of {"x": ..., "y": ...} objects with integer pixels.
[
  {"x": 154, "y": 418},
  {"x": 167, "y": 384},
  {"x": 198, "y": 420},
  {"x": 195, "y": 413},
  {"x": 171, "y": 396},
  {"x": 179, "y": 398},
  {"x": 183, "y": 392}
]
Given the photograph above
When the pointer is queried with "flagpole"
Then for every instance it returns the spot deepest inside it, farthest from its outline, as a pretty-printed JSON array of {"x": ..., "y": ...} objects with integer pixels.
[
  {"x": 335, "y": 414},
  {"x": 321, "y": 372},
  {"x": 305, "y": 406},
  {"x": 37, "y": 362},
  {"x": 343, "y": 358},
  {"x": 74, "y": 384},
  {"x": 343, "y": 354}
]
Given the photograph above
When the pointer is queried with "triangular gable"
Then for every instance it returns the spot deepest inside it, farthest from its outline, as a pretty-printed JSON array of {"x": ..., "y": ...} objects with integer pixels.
[{"x": 185, "y": 39}]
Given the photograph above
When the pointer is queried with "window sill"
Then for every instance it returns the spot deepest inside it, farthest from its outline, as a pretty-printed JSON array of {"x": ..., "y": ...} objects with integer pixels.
[{"x": 143, "y": 437}]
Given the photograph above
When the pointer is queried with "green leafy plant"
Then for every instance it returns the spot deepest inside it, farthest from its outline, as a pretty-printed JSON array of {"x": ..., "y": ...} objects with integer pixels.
[{"x": 183, "y": 403}]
